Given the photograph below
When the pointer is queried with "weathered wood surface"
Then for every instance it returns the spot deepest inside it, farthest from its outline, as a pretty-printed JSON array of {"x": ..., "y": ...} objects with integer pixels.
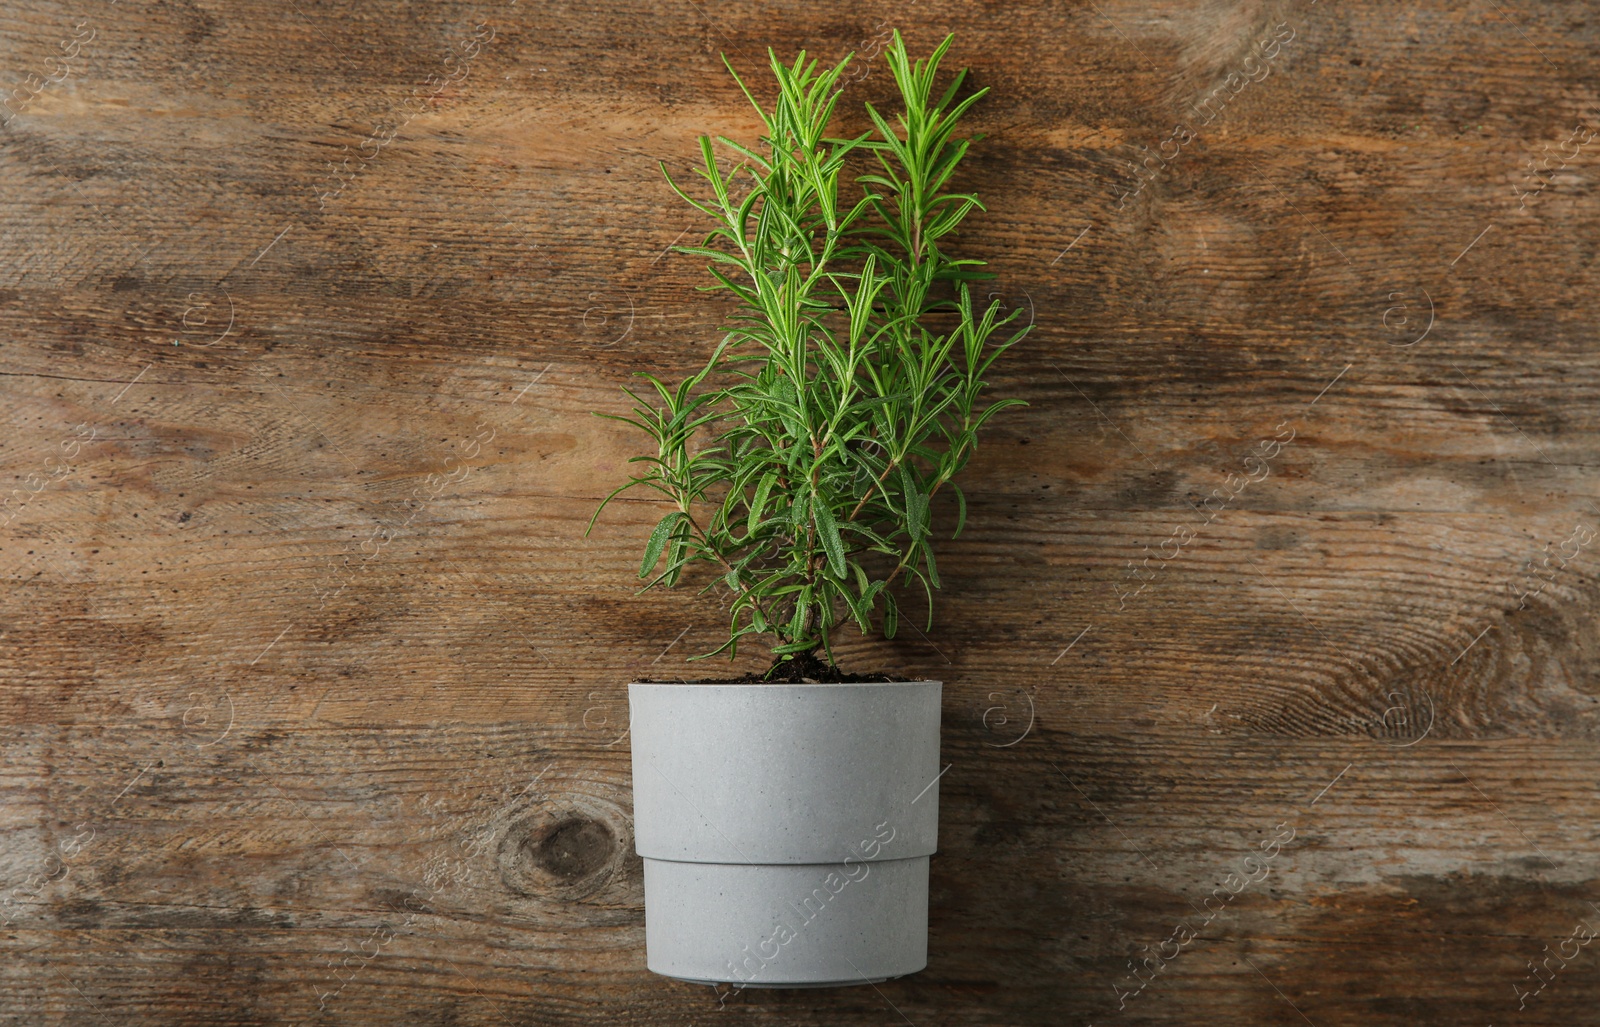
[{"x": 298, "y": 608}]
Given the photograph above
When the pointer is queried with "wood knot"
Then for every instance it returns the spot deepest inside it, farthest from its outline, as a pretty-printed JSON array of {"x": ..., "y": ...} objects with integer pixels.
[
  {"x": 568, "y": 847},
  {"x": 572, "y": 849}
]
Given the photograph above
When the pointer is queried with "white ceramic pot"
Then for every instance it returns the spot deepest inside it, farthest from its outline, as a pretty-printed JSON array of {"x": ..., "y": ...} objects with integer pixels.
[{"x": 786, "y": 829}]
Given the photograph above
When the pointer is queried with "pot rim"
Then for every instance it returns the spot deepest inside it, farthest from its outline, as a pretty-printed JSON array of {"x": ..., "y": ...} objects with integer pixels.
[{"x": 782, "y": 684}]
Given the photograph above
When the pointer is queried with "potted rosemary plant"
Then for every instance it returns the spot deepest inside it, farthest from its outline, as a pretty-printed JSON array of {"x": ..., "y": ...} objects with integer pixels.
[{"x": 786, "y": 822}]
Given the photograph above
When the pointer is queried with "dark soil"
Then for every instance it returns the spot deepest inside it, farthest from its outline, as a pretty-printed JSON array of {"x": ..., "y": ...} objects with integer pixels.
[{"x": 797, "y": 670}]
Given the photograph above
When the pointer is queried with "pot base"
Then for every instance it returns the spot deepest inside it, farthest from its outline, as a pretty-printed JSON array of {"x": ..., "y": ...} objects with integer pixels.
[
  {"x": 753, "y": 984},
  {"x": 789, "y": 925}
]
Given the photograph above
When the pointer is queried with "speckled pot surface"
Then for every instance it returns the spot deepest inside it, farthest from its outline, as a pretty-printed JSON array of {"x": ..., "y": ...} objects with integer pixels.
[{"x": 786, "y": 829}]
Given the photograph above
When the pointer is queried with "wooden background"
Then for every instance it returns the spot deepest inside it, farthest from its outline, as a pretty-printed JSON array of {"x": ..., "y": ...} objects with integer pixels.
[{"x": 313, "y": 690}]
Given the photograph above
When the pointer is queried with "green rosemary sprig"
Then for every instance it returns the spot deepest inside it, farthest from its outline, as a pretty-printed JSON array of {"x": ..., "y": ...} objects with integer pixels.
[{"x": 802, "y": 460}]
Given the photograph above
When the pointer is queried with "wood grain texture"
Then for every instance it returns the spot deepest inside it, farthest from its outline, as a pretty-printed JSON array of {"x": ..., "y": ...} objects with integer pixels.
[{"x": 313, "y": 687}]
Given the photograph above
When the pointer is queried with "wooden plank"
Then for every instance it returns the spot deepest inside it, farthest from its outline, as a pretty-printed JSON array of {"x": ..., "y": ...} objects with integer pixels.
[{"x": 314, "y": 686}]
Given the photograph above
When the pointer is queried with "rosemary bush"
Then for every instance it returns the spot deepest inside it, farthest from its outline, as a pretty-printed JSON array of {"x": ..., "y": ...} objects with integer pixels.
[{"x": 802, "y": 460}]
